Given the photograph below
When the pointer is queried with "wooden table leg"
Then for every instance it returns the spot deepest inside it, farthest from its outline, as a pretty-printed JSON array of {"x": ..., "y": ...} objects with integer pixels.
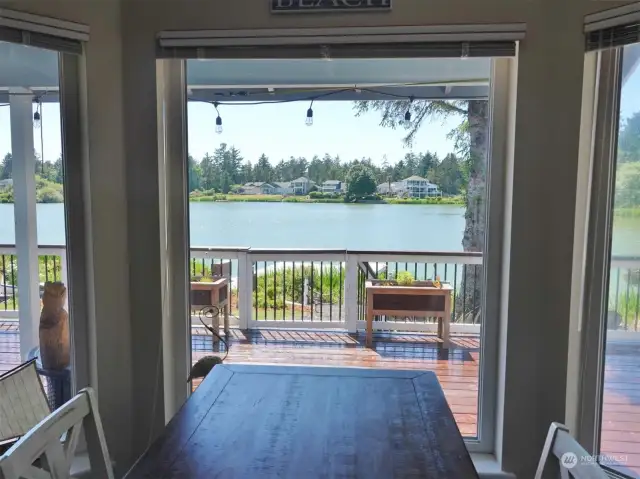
[
  {"x": 446, "y": 322},
  {"x": 369, "y": 318}
]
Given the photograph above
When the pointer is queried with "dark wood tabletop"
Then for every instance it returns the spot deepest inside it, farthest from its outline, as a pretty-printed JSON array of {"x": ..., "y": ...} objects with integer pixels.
[{"x": 250, "y": 421}]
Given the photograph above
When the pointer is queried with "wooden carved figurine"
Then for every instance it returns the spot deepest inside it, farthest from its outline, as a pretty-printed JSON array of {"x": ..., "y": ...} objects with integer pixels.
[{"x": 54, "y": 327}]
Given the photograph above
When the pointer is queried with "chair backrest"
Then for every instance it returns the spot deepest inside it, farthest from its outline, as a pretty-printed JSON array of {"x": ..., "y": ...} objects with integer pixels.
[
  {"x": 574, "y": 461},
  {"x": 47, "y": 450},
  {"x": 23, "y": 402}
]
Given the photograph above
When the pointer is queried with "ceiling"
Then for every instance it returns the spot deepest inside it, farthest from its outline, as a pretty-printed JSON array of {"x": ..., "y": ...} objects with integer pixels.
[{"x": 280, "y": 79}]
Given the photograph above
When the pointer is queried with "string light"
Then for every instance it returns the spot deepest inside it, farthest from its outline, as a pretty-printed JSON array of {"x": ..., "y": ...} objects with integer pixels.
[
  {"x": 407, "y": 115},
  {"x": 218, "y": 119},
  {"x": 309, "y": 120},
  {"x": 36, "y": 116}
]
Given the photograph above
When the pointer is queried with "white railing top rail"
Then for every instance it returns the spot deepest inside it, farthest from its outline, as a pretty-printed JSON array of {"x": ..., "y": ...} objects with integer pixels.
[{"x": 266, "y": 254}]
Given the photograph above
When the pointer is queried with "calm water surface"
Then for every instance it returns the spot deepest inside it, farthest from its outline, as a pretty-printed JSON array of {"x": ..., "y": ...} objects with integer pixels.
[{"x": 315, "y": 225}]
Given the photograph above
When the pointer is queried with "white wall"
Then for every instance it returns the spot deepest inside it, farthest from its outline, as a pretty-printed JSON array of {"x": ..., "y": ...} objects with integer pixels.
[{"x": 124, "y": 208}]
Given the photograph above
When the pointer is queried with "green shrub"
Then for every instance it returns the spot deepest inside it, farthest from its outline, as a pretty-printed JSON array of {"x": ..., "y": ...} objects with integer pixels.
[
  {"x": 49, "y": 194},
  {"x": 286, "y": 285},
  {"x": 404, "y": 278}
]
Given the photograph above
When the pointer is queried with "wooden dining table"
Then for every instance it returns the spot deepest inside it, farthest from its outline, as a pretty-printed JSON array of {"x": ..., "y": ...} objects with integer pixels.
[{"x": 255, "y": 421}]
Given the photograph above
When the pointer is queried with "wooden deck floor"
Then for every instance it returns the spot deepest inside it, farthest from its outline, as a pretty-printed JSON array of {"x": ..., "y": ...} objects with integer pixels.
[{"x": 457, "y": 371}]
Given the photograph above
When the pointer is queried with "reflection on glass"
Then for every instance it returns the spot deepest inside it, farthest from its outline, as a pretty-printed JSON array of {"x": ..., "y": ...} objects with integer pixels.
[{"x": 620, "y": 438}]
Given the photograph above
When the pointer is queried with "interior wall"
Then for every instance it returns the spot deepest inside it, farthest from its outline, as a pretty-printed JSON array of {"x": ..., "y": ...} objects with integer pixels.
[{"x": 124, "y": 198}]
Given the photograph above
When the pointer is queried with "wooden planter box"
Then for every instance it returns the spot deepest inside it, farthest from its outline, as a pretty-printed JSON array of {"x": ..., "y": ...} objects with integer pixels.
[
  {"x": 422, "y": 299},
  {"x": 215, "y": 293}
]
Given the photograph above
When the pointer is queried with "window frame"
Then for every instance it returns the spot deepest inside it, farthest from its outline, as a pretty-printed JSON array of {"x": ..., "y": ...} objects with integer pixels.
[{"x": 176, "y": 221}]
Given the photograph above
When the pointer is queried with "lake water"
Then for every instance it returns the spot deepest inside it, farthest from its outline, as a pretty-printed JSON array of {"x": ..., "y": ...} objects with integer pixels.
[{"x": 315, "y": 225}]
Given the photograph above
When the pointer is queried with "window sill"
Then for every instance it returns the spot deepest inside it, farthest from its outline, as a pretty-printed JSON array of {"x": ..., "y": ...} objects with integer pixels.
[{"x": 488, "y": 467}]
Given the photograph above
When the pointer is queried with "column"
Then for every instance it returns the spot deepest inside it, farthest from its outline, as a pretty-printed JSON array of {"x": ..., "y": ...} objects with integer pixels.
[{"x": 24, "y": 191}]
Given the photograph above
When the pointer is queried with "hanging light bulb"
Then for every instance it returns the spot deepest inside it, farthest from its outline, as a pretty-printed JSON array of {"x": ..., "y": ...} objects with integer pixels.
[
  {"x": 37, "y": 118},
  {"x": 407, "y": 115},
  {"x": 218, "y": 119},
  {"x": 309, "y": 120}
]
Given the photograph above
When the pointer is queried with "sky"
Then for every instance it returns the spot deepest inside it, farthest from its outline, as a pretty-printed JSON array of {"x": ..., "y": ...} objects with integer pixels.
[{"x": 279, "y": 130}]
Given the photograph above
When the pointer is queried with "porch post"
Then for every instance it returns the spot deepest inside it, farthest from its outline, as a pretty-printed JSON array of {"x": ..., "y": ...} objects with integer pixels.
[
  {"x": 245, "y": 289},
  {"x": 24, "y": 191},
  {"x": 351, "y": 293}
]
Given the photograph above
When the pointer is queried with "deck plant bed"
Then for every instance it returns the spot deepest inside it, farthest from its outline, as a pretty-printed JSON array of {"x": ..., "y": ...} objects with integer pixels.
[{"x": 405, "y": 296}]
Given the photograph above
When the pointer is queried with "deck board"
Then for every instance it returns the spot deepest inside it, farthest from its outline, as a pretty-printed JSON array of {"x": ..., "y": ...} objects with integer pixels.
[{"x": 456, "y": 371}]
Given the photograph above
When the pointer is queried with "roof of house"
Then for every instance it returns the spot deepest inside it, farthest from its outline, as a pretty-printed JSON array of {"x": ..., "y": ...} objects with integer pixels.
[
  {"x": 415, "y": 178},
  {"x": 332, "y": 182},
  {"x": 302, "y": 179},
  {"x": 283, "y": 184}
]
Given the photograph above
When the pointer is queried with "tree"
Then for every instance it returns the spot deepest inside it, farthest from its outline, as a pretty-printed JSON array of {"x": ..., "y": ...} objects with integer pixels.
[
  {"x": 629, "y": 139},
  {"x": 5, "y": 168},
  {"x": 361, "y": 181},
  {"x": 195, "y": 174},
  {"x": 470, "y": 137},
  {"x": 628, "y": 185}
]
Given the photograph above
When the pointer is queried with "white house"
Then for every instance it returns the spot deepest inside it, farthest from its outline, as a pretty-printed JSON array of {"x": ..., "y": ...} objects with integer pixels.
[
  {"x": 333, "y": 186},
  {"x": 6, "y": 183},
  {"x": 283, "y": 188},
  {"x": 390, "y": 188},
  {"x": 302, "y": 185},
  {"x": 258, "y": 188},
  {"x": 418, "y": 187}
]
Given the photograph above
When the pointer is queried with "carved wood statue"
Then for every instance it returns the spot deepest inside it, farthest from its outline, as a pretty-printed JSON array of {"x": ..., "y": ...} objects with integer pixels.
[{"x": 54, "y": 327}]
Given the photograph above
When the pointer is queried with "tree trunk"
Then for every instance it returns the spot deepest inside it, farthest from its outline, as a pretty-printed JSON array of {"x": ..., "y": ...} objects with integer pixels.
[{"x": 469, "y": 298}]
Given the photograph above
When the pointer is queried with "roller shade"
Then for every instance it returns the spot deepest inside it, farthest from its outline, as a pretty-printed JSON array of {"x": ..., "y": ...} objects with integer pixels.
[
  {"x": 385, "y": 42},
  {"x": 613, "y": 28},
  {"x": 42, "y": 32}
]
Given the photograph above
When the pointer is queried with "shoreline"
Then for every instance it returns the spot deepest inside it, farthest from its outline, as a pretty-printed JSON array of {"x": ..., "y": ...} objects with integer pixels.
[{"x": 452, "y": 201}]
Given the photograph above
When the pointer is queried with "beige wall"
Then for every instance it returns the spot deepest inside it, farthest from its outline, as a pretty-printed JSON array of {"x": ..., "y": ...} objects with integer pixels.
[{"x": 124, "y": 206}]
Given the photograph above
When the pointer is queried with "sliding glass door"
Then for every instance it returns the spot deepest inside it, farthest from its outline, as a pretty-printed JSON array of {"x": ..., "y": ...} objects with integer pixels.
[{"x": 611, "y": 348}]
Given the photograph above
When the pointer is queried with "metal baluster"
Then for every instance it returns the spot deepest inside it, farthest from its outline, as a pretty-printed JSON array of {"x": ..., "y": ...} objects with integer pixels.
[
  {"x": 275, "y": 290},
  {"x": 415, "y": 271},
  {"x": 321, "y": 284},
  {"x": 475, "y": 290},
  {"x": 445, "y": 271},
  {"x": 284, "y": 290},
  {"x": 193, "y": 262},
  {"x": 425, "y": 271},
  {"x": 331, "y": 292},
  {"x": 46, "y": 269},
  {"x": 435, "y": 270},
  {"x": 464, "y": 292},
  {"x": 302, "y": 289},
  {"x": 231, "y": 287},
  {"x": 265, "y": 291},
  {"x": 203, "y": 268},
  {"x": 340, "y": 294},
  {"x": 455, "y": 289},
  {"x": 637, "y": 301},
  {"x": 396, "y": 271},
  {"x": 626, "y": 302},
  {"x": 312, "y": 299},
  {"x": 255, "y": 286},
  {"x": 617, "y": 294},
  {"x": 293, "y": 292},
  {"x": 4, "y": 283}
]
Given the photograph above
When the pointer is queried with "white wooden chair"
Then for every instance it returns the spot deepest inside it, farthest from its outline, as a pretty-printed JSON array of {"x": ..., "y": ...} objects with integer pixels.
[
  {"x": 47, "y": 451},
  {"x": 570, "y": 454},
  {"x": 23, "y": 403}
]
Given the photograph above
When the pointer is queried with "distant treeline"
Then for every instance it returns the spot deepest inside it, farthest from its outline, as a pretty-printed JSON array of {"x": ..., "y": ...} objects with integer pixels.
[{"x": 227, "y": 167}]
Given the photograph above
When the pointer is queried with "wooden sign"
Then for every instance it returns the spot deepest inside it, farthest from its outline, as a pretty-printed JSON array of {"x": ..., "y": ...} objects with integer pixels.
[{"x": 307, "y": 6}]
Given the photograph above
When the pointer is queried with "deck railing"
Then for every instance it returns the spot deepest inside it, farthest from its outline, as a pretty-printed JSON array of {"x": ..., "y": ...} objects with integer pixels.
[{"x": 325, "y": 288}]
